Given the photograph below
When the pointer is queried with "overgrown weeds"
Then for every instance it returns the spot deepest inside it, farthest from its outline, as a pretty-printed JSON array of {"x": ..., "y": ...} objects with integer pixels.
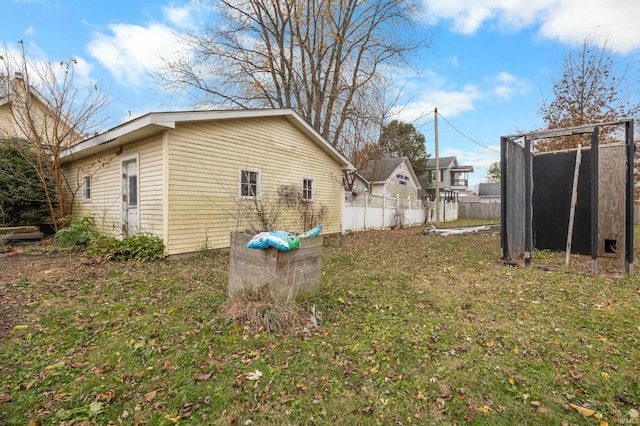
[
  {"x": 140, "y": 247},
  {"x": 259, "y": 310},
  {"x": 79, "y": 234}
]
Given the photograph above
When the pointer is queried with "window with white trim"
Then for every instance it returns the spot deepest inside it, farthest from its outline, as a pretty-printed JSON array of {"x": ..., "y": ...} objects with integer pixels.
[
  {"x": 308, "y": 189},
  {"x": 249, "y": 184},
  {"x": 86, "y": 188}
]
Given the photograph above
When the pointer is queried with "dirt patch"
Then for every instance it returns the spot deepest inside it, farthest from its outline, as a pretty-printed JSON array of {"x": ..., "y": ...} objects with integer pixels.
[{"x": 17, "y": 268}]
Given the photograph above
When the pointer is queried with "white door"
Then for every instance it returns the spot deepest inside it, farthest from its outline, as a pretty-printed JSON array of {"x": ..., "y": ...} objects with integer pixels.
[{"x": 130, "y": 221}]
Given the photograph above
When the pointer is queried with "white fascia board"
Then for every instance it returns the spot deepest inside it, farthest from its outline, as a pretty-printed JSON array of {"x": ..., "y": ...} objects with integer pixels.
[{"x": 119, "y": 131}]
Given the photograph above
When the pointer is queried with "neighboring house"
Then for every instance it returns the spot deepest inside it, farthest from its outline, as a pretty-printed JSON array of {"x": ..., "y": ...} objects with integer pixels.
[
  {"x": 489, "y": 192},
  {"x": 391, "y": 176},
  {"x": 193, "y": 177},
  {"x": 453, "y": 178},
  {"x": 24, "y": 111}
]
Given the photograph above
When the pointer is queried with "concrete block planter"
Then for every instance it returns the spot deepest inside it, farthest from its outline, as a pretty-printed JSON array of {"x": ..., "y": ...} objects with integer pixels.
[{"x": 288, "y": 274}]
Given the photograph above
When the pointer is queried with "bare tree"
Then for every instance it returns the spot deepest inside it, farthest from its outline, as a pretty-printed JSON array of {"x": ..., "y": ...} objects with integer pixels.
[
  {"x": 50, "y": 113},
  {"x": 320, "y": 57},
  {"x": 589, "y": 91}
]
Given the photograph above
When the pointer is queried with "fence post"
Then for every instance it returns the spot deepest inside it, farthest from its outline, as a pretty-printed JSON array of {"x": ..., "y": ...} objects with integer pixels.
[
  {"x": 366, "y": 204},
  {"x": 384, "y": 208}
]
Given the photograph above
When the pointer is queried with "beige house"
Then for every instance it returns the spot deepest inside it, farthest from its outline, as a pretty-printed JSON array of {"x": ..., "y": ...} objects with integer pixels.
[
  {"x": 26, "y": 114},
  {"x": 194, "y": 177},
  {"x": 393, "y": 176}
]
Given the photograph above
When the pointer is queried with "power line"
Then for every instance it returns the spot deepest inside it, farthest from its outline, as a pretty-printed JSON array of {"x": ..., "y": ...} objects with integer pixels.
[{"x": 472, "y": 140}]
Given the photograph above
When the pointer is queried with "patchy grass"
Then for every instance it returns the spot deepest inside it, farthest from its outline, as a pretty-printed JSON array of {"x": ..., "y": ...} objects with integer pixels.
[{"x": 413, "y": 329}]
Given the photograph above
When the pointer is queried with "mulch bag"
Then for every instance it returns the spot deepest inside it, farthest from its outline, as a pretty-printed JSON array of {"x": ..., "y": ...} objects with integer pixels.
[{"x": 282, "y": 240}]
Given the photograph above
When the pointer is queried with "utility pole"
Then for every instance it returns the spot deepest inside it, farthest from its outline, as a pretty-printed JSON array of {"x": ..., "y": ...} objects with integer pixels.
[{"x": 437, "y": 168}]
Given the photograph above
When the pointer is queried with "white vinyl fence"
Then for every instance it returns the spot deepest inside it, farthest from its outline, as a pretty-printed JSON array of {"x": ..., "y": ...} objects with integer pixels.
[{"x": 369, "y": 211}]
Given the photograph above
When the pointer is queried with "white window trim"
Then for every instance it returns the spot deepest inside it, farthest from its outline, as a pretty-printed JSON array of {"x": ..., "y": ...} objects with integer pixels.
[
  {"x": 313, "y": 189},
  {"x": 258, "y": 184},
  {"x": 85, "y": 179}
]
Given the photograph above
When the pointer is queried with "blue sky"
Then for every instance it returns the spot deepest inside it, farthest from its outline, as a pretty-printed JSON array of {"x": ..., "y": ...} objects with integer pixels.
[{"x": 490, "y": 65}]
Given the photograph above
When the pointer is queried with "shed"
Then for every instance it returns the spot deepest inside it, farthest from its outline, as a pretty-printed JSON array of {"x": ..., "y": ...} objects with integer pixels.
[
  {"x": 393, "y": 176},
  {"x": 192, "y": 177},
  {"x": 577, "y": 200}
]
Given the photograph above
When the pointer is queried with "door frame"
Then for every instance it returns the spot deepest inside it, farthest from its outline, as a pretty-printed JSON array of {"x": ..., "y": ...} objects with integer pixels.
[{"x": 123, "y": 215}]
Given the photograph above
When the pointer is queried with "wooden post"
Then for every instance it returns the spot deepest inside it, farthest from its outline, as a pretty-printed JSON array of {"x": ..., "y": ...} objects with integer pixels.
[
  {"x": 594, "y": 201},
  {"x": 628, "y": 231},
  {"x": 528, "y": 199},
  {"x": 574, "y": 198},
  {"x": 503, "y": 198}
]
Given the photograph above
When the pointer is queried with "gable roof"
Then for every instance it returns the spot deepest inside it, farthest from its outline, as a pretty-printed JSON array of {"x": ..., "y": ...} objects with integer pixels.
[
  {"x": 154, "y": 123},
  {"x": 444, "y": 163},
  {"x": 378, "y": 171},
  {"x": 448, "y": 162}
]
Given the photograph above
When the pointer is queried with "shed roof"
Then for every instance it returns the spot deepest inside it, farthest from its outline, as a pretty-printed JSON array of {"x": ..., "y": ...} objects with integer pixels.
[
  {"x": 491, "y": 189},
  {"x": 156, "y": 122},
  {"x": 379, "y": 170}
]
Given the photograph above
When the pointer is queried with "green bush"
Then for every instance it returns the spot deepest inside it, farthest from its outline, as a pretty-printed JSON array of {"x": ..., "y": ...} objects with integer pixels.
[
  {"x": 22, "y": 197},
  {"x": 142, "y": 247},
  {"x": 77, "y": 234}
]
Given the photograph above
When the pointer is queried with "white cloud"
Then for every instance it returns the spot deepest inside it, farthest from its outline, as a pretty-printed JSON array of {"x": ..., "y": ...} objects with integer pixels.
[
  {"x": 449, "y": 102},
  {"x": 131, "y": 52},
  {"x": 468, "y": 17},
  {"x": 30, "y": 30},
  {"x": 479, "y": 158},
  {"x": 430, "y": 90},
  {"x": 569, "y": 21},
  {"x": 614, "y": 21},
  {"x": 452, "y": 61},
  {"x": 190, "y": 14},
  {"x": 180, "y": 17},
  {"x": 507, "y": 85},
  {"x": 40, "y": 68},
  {"x": 83, "y": 70}
]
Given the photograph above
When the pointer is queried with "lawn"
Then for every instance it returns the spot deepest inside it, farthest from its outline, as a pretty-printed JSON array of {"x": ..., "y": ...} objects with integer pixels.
[{"x": 412, "y": 329}]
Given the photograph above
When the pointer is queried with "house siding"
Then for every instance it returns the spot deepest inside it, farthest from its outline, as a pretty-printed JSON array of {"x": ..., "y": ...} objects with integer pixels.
[
  {"x": 105, "y": 173},
  {"x": 44, "y": 120},
  {"x": 204, "y": 164},
  {"x": 7, "y": 124},
  {"x": 395, "y": 189}
]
